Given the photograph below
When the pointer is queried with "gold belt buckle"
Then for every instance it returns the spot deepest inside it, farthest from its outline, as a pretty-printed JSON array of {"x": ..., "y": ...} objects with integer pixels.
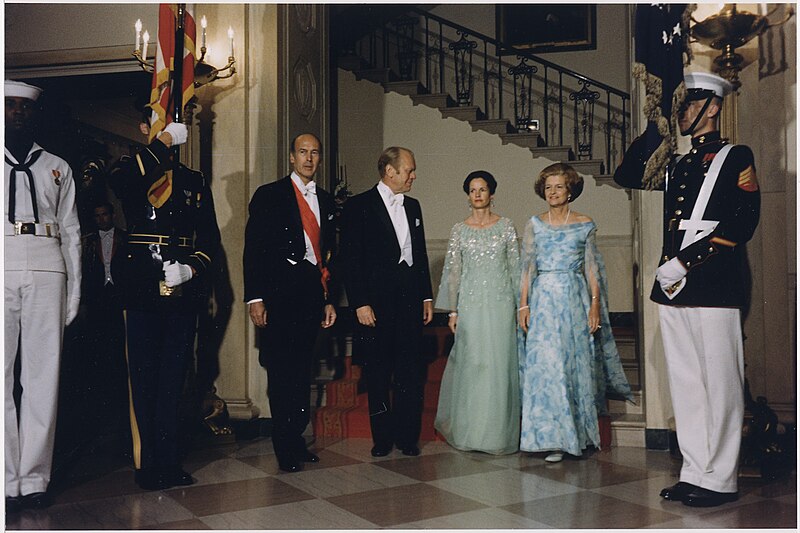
[{"x": 164, "y": 290}]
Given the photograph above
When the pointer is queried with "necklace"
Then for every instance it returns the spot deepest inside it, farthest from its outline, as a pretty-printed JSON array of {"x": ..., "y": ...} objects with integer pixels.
[
  {"x": 482, "y": 223},
  {"x": 563, "y": 223}
]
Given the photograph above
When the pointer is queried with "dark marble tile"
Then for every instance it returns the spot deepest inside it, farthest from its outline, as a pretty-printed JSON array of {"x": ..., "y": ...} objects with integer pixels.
[
  {"x": 438, "y": 466},
  {"x": 588, "y": 510},
  {"x": 219, "y": 498},
  {"x": 191, "y": 524},
  {"x": 327, "y": 459},
  {"x": 761, "y": 515},
  {"x": 117, "y": 483},
  {"x": 400, "y": 505},
  {"x": 589, "y": 473}
]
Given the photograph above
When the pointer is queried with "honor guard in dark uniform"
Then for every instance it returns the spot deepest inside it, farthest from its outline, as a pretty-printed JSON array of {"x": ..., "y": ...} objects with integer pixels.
[
  {"x": 172, "y": 238},
  {"x": 711, "y": 208}
]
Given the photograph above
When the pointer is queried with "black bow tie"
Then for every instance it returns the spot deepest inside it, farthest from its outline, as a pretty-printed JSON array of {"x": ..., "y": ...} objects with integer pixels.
[{"x": 12, "y": 186}]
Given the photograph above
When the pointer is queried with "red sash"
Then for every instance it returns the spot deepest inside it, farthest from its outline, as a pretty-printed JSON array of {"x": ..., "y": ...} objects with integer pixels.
[{"x": 311, "y": 227}]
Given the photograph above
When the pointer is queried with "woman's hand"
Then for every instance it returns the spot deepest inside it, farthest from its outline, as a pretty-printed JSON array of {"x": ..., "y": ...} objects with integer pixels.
[
  {"x": 452, "y": 322},
  {"x": 594, "y": 315},
  {"x": 524, "y": 315}
]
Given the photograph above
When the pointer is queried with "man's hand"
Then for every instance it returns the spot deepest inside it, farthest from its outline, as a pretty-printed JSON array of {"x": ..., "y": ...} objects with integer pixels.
[
  {"x": 330, "y": 316},
  {"x": 670, "y": 273},
  {"x": 174, "y": 134},
  {"x": 258, "y": 314},
  {"x": 176, "y": 273},
  {"x": 366, "y": 316},
  {"x": 427, "y": 312}
]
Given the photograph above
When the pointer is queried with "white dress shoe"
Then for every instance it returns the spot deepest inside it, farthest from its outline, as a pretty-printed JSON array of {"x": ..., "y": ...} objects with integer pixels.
[{"x": 554, "y": 457}]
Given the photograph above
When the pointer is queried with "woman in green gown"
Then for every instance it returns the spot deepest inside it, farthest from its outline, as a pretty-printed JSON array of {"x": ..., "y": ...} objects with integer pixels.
[{"x": 479, "y": 403}]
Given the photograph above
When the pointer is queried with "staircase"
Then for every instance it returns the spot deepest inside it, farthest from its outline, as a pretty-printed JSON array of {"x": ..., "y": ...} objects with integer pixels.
[{"x": 397, "y": 54}]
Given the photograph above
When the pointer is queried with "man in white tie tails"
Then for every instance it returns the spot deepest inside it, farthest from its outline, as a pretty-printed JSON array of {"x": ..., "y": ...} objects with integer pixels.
[
  {"x": 42, "y": 295},
  {"x": 288, "y": 245},
  {"x": 711, "y": 208},
  {"x": 385, "y": 265}
]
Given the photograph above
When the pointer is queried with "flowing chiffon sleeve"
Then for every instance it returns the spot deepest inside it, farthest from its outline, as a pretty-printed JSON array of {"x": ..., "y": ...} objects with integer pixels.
[
  {"x": 609, "y": 374},
  {"x": 528, "y": 271},
  {"x": 512, "y": 256},
  {"x": 447, "y": 298}
]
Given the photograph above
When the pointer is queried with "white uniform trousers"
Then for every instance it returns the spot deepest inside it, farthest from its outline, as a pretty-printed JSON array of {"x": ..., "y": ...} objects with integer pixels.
[
  {"x": 35, "y": 308},
  {"x": 704, "y": 354}
]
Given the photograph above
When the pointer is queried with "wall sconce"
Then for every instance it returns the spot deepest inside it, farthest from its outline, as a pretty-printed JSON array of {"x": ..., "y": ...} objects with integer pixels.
[
  {"x": 203, "y": 72},
  {"x": 730, "y": 29}
]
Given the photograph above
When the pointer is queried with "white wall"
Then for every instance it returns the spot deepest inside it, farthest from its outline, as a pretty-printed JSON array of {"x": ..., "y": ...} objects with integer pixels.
[{"x": 446, "y": 151}]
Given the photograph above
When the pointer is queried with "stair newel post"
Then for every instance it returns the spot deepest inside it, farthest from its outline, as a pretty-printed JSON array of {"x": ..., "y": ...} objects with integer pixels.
[
  {"x": 441, "y": 59},
  {"x": 500, "y": 112},
  {"x": 545, "y": 105},
  {"x": 427, "y": 55},
  {"x": 462, "y": 64},
  {"x": 608, "y": 129},
  {"x": 560, "y": 109},
  {"x": 584, "y": 119},
  {"x": 485, "y": 79}
]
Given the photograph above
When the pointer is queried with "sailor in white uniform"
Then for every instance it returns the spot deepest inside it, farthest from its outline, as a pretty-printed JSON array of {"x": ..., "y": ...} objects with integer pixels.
[{"x": 42, "y": 292}]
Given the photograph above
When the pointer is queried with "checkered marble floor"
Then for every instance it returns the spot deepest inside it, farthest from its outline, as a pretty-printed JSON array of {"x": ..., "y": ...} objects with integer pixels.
[{"x": 239, "y": 486}]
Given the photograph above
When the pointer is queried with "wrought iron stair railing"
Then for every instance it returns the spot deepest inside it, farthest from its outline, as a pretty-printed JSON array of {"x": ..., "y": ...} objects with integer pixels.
[{"x": 441, "y": 55}]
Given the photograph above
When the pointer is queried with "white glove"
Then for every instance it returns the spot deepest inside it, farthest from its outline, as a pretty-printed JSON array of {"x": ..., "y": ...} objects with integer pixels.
[
  {"x": 670, "y": 273},
  {"x": 177, "y": 131},
  {"x": 72, "y": 310},
  {"x": 176, "y": 273}
]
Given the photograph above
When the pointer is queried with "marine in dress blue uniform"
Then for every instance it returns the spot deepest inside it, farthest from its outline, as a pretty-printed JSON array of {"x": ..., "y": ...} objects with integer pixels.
[
  {"x": 172, "y": 239},
  {"x": 701, "y": 287}
]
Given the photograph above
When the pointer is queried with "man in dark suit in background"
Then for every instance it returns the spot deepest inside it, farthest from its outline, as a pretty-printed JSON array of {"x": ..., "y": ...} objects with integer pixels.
[
  {"x": 289, "y": 241},
  {"x": 103, "y": 262},
  {"x": 385, "y": 264}
]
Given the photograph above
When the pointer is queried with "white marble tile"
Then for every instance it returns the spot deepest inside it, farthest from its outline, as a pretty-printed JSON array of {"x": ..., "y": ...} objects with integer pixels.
[
  {"x": 482, "y": 519},
  {"x": 310, "y": 514},
  {"x": 329, "y": 482},
  {"x": 516, "y": 460},
  {"x": 504, "y": 487},
  {"x": 226, "y": 470}
]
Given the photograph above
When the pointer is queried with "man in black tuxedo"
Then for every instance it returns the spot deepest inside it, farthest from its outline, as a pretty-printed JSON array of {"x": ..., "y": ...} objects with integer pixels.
[
  {"x": 385, "y": 264},
  {"x": 103, "y": 262},
  {"x": 289, "y": 241}
]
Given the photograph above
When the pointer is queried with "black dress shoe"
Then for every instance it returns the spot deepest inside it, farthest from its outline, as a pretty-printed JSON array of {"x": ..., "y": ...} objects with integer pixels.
[
  {"x": 381, "y": 451},
  {"x": 36, "y": 500},
  {"x": 13, "y": 504},
  {"x": 701, "y": 497},
  {"x": 678, "y": 491},
  {"x": 306, "y": 456},
  {"x": 290, "y": 465},
  {"x": 176, "y": 477},
  {"x": 411, "y": 451}
]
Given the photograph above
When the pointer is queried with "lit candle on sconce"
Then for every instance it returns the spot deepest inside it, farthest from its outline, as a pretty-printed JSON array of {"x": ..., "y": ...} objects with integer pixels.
[
  {"x": 230, "y": 36},
  {"x": 138, "y": 27},
  {"x": 203, "y": 24},
  {"x": 144, "y": 48}
]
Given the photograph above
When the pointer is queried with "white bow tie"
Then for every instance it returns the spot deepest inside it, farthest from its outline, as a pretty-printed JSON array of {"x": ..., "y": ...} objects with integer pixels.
[
  {"x": 309, "y": 188},
  {"x": 396, "y": 200}
]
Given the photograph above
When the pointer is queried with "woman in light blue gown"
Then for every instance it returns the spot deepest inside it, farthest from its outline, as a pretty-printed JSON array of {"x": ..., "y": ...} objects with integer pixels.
[
  {"x": 568, "y": 358},
  {"x": 479, "y": 395}
]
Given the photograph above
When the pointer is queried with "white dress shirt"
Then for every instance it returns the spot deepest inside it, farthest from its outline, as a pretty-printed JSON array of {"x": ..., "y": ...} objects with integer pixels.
[
  {"x": 107, "y": 242},
  {"x": 394, "y": 205},
  {"x": 310, "y": 195}
]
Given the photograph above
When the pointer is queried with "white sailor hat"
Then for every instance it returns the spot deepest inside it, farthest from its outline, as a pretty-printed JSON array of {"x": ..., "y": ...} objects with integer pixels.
[
  {"x": 701, "y": 84},
  {"x": 22, "y": 90}
]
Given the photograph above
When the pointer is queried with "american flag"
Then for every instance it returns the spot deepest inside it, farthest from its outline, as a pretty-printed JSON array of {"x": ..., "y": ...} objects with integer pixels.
[
  {"x": 662, "y": 49},
  {"x": 161, "y": 92}
]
